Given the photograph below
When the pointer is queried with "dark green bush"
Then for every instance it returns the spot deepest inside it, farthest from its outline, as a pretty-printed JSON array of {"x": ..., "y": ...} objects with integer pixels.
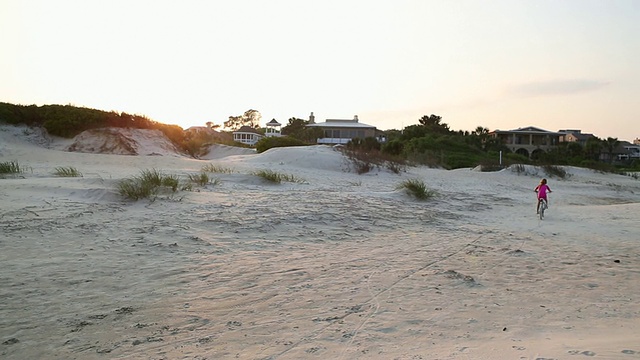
[{"x": 269, "y": 142}]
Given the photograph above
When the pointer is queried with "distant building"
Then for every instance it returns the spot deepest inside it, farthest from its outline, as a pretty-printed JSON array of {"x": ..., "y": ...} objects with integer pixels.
[
  {"x": 574, "y": 136},
  {"x": 528, "y": 141},
  {"x": 247, "y": 135},
  {"x": 626, "y": 150},
  {"x": 340, "y": 131},
  {"x": 273, "y": 128}
]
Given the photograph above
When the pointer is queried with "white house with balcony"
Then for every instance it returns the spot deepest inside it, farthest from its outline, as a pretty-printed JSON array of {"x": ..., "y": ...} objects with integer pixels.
[
  {"x": 341, "y": 131},
  {"x": 247, "y": 135},
  {"x": 528, "y": 141}
]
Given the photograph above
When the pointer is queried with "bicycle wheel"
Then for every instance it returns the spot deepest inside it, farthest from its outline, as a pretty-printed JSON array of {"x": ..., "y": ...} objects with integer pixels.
[{"x": 543, "y": 207}]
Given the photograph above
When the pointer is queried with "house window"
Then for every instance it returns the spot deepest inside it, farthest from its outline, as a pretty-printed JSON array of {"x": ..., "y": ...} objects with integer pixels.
[{"x": 361, "y": 134}]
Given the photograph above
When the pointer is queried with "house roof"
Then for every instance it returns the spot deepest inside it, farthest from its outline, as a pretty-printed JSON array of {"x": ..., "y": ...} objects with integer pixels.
[
  {"x": 247, "y": 129},
  {"x": 273, "y": 122},
  {"x": 581, "y": 136},
  {"x": 527, "y": 130},
  {"x": 342, "y": 124}
]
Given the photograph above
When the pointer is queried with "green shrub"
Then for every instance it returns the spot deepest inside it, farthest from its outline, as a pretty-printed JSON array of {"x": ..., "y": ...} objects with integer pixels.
[
  {"x": 269, "y": 142},
  {"x": 417, "y": 189},
  {"x": 68, "y": 171}
]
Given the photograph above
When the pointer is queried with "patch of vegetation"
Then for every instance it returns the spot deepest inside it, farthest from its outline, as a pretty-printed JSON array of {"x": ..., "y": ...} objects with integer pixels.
[
  {"x": 68, "y": 121},
  {"x": 10, "y": 167},
  {"x": 217, "y": 169},
  {"x": 201, "y": 179},
  {"x": 148, "y": 184},
  {"x": 553, "y": 170},
  {"x": 197, "y": 142},
  {"x": 364, "y": 160},
  {"x": 361, "y": 162},
  {"x": 276, "y": 177},
  {"x": 297, "y": 128},
  {"x": 68, "y": 171},
  {"x": 521, "y": 169},
  {"x": 491, "y": 167},
  {"x": 269, "y": 142},
  {"x": 416, "y": 188}
]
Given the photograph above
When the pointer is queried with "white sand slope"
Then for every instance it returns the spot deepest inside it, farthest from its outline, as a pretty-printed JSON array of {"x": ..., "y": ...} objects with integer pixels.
[
  {"x": 338, "y": 266},
  {"x": 122, "y": 141}
]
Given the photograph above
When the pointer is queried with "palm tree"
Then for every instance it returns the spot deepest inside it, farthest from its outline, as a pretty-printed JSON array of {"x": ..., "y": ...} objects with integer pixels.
[
  {"x": 482, "y": 134},
  {"x": 611, "y": 144},
  {"x": 481, "y": 130},
  {"x": 593, "y": 147}
]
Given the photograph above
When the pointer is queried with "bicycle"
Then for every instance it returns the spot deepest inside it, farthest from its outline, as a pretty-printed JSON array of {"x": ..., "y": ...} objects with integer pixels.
[{"x": 542, "y": 206}]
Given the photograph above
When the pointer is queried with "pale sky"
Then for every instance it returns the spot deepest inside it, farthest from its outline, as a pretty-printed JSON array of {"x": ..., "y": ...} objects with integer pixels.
[{"x": 502, "y": 64}]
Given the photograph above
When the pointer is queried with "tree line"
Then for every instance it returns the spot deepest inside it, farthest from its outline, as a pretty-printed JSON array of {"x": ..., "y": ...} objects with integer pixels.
[
  {"x": 432, "y": 142},
  {"x": 68, "y": 120},
  {"x": 429, "y": 142}
]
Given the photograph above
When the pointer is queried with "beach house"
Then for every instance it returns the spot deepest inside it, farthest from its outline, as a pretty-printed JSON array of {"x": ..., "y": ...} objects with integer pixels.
[
  {"x": 247, "y": 135},
  {"x": 529, "y": 141},
  {"x": 574, "y": 135},
  {"x": 341, "y": 131}
]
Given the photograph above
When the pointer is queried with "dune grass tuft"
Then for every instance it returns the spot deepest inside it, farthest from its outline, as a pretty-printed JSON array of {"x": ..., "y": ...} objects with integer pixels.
[
  {"x": 68, "y": 171},
  {"x": 553, "y": 170},
  {"x": 147, "y": 184},
  {"x": 10, "y": 167},
  {"x": 276, "y": 177},
  {"x": 201, "y": 179},
  {"x": 217, "y": 169},
  {"x": 417, "y": 189}
]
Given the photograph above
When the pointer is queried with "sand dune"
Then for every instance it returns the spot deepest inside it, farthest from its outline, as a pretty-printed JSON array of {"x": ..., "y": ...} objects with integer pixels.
[{"x": 338, "y": 266}]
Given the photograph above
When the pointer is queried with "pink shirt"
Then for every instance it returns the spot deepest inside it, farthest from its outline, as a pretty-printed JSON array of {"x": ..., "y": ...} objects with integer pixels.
[{"x": 542, "y": 191}]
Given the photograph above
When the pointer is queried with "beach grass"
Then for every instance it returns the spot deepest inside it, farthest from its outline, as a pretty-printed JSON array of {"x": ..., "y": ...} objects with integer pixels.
[
  {"x": 147, "y": 184},
  {"x": 212, "y": 168},
  {"x": 277, "y": 177},
  {"x": 10, "y": 167},
  {"x": 553, "y": 170},
  {"x": 416, "y": 188},
  {"x": 68, "y": 171},
  {"x": 201, "y": 179}
]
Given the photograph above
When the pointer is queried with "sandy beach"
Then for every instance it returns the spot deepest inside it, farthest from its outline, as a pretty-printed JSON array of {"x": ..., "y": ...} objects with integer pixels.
[{"x": 338, "y": 266}]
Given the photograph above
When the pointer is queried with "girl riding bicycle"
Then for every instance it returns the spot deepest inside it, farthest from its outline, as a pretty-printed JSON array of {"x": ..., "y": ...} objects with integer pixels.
[{"x": 542, "y": 189}]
